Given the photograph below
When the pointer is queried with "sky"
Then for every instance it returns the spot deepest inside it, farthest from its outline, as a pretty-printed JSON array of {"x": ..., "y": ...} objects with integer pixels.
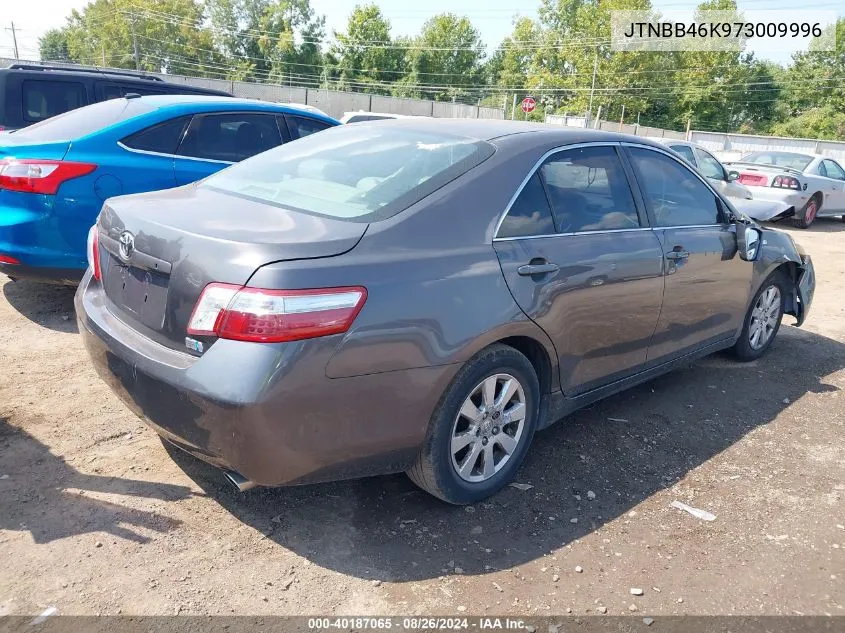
[{"x": 493, "y": 18}]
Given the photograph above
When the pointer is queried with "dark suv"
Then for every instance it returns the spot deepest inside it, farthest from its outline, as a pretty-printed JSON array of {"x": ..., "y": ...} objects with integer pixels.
[{"x": 30, "y": 93}]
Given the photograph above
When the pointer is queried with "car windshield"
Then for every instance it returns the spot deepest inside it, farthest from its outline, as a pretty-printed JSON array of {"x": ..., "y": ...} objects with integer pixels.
[
  {"x": 361, "y": 173},
  {"x": 82, "y": 121},
  {"x": 798, "y": 162}
]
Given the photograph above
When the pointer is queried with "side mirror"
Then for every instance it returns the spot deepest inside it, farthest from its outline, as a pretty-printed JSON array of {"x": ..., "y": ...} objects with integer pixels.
[
  {"x": 748, "y": 241},
  {"x": 732, "y": 175}
]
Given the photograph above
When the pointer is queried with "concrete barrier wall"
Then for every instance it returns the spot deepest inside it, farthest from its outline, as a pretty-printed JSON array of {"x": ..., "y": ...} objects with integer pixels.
[
  {"x": 734, "y": 146},
  {"x": 336, "y": 103}
]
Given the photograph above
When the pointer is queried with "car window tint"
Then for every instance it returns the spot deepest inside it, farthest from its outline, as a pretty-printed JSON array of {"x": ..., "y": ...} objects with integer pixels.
[
  {"x": 709, "y": 166},
  {"x": 230, "y": 137},
  {"x": 685, "y": 151},
  {"x": 111, "y": 91},
  {"x": 530, "y": 213},
  {"x": 834, "y": 170},
  {"x": 300, "y": 126},
  {"x": 589, "y": 191},
  {"x": 162, "y": 138},
  {"x": 677, "y": 197},
  {"x": 45, "y": 99},
  {"x": 821, "y": 169}
]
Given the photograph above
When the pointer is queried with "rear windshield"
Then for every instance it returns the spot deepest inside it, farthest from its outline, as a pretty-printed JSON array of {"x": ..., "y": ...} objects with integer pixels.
[
  {"x": 359, "y": 173},
  {"x": 83, "y": 121},
  {"x": 798, "y": 162}
]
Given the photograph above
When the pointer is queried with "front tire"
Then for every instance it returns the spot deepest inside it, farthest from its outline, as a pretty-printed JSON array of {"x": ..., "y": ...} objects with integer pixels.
[
  {"x": 481, "y": 429},
  {"x": 808, "y": 213},
  {"x": 762, "y": 321}
]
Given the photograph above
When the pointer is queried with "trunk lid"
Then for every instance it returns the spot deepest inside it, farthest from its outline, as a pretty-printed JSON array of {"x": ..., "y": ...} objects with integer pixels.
[
  {"x": 13, "y": 147},
  {"x": 183, "y": 239},
  {"x": 756, "y": 175}
]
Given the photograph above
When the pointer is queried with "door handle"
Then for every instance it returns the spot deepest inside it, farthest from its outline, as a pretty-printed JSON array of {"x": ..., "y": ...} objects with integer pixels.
[
  {"x": 675, "y": 255},
  {"x": 537, "y": 269}
]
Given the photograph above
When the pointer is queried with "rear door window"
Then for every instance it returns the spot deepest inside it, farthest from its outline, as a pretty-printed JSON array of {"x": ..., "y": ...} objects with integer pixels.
[
  {"x": 45, "y": 99},
  {"x": 686, "y": 152},
  {"x": 530, "y": 213},
  {"x": 589, "y": 190},
  {"x": 300, "y": 126},
  {"x": 162, "y": 138},
  {"x": 230, "y": 138},
  {"x": 115, "y": 91}
]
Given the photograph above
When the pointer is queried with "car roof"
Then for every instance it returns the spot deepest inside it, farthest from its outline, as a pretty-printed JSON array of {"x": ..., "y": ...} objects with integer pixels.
[
  {"x": 212, "y": 102},
  {"x": 493, "y": 129},
  {"x": 675, "y": 141}
]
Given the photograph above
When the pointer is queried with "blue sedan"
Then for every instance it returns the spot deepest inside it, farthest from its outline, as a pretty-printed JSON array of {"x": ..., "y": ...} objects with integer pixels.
[{"x": 55, "y": 175}]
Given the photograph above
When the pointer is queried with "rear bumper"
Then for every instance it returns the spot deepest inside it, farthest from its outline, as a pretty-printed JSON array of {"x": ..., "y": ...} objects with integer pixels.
[
  {"x": 61, "y": 276},
  {"x": 765, "y": 210},
  {"x": 46, "y": 234},
  {"x": 771, "y": 203},
  {"x": 267, "y": 411}
]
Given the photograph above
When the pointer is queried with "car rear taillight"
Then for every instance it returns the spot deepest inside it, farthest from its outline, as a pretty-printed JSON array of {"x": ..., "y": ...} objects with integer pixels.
[
  {"x": 272, "y": 316},
  {"x": 8, "y": 259},
  {"x": 786, "y": 182},
  {"x": 94, "y": 252},
  {"x": 39, "y": 176}
]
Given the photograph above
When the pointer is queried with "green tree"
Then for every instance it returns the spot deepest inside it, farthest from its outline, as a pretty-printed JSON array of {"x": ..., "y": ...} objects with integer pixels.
[
  {"x": 277, "y": 40},
  {"x": 570, "y": 42},
  {"x": 364, "y": 56},
  {"x": 824, "y": 122},
  {"x": 445, "y": 61},
  {"x": 52, "y": 46},
  {"x": 169, "y": 34},
  {"x": 814, "y": 79}
]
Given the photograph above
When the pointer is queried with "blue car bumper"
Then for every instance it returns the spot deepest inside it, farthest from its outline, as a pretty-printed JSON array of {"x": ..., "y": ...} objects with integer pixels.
[{"x": 45, "y": 235}]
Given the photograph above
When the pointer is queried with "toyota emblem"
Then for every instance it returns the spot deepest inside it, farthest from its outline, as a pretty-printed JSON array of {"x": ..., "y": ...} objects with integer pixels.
[{"x": 127, "y": 245}]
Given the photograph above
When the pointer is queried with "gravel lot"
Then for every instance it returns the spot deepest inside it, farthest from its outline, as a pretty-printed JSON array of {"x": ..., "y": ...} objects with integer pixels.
[{"x": 96, "y": 517}]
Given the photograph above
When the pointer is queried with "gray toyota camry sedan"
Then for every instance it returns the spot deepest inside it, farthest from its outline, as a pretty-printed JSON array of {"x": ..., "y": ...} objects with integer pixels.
[{"x": 420, "y": 295}]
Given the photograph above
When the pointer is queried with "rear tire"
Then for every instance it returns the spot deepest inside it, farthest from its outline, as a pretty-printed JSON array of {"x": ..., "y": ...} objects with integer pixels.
[
  {"x": 478, "y": 419},
  {"x": 808, "y": 213},
  {"x": 762, "y": 319}
]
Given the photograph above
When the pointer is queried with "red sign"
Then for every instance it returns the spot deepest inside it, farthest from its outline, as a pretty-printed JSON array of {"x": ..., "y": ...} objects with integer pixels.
[{"x": 528, "y": 104}]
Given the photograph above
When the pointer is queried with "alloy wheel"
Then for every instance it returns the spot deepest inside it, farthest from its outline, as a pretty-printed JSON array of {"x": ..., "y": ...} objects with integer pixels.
[
  {"x": 812, "y": 209},
  {"x": 488, "y": 428},
  {"x": 764, "y": 317}
]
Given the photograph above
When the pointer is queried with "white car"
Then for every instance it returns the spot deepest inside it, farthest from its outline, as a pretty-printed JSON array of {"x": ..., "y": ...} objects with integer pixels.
[
  {"x": 792, "y": 184},
  {"x": 723, "y": 181},
  {"x": 363, "y": 115}
]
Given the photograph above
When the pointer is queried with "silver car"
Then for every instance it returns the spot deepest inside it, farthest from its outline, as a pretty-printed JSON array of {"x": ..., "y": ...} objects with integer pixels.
[{"x": 723, "y": 180}]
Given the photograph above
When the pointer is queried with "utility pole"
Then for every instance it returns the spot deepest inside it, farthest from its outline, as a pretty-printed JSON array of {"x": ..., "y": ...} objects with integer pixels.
[
  {"x": 15, "y": 40},
  {"x": 135, "y": 46},
  {"x": 593, "y": 87},
  {"x": 622, "y": 118},
  {"x": 513, "y": 108}
]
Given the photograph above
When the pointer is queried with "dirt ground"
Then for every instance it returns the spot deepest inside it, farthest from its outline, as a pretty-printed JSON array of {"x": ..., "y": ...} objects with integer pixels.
[{"x": 97, "y": 517}]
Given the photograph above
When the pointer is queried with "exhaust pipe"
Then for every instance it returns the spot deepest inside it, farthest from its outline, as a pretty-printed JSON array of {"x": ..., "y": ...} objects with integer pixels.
[{"x": 239, "y": 481}]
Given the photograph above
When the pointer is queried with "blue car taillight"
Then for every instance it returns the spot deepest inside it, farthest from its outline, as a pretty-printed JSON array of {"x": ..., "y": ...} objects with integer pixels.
[{"x": 39, "y": 176}]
